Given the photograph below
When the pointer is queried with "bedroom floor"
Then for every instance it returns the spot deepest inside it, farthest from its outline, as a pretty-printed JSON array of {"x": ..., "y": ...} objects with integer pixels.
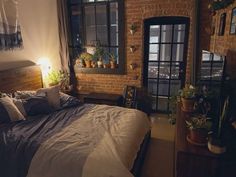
[{"x": 159, "y": 161}]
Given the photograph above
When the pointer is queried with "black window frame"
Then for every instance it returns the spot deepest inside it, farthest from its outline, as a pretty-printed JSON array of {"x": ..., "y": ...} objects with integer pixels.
[{"x": 76, "y": 49}]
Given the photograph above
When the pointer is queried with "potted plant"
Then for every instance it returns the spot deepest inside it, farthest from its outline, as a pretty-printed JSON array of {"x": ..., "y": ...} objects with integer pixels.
[
  {"x": 87, "y": 57},
  {"x": 198, "y": 126},
  {"x": 188, "y": 95},
  {"x": 216, "y": 142},
  {"x": 54, "y": 78},
  {"x": 113, "y": 62},
  {"x": 98, "y": 55}
]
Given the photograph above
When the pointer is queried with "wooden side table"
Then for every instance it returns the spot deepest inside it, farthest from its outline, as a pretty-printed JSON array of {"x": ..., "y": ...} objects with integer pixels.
[
  {"x": 196, "y": 161},
  {"x": 102, "y": 98}
]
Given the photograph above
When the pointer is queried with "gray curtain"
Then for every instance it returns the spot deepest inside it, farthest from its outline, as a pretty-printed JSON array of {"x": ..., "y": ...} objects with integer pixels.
[
  {"x": 63, "y": 34},
  {"x": 10, "y": 33}
]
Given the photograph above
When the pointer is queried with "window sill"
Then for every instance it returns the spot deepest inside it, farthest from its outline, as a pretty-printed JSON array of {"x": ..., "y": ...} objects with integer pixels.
[{"x": 118, "y": 71}]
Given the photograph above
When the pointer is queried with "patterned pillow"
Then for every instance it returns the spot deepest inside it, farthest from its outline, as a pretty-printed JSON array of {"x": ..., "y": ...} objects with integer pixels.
[
  {"x": 34, "y": 105},
  {"x": 8, "y": 111}
]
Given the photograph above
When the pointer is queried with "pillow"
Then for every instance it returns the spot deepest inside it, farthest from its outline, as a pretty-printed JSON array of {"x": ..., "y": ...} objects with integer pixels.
[
  {"x": 68, "y": 101},
  {"x": 24, "y": 94},
  {"x": 52, "y": 94},
  {"x": 33, "y": 105},
  {"x": 8, "y": 111}
]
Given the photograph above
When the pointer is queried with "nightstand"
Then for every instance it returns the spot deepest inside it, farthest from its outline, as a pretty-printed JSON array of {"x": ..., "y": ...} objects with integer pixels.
[{"x": 102, "y": 98}]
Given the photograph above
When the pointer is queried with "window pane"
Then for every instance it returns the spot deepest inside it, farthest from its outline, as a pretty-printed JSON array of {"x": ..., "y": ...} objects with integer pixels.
[
  {"x": 101, "y": 17},
  {"x": 163, "y": 87},
  {"x": 152, "y": 70},
  {"x": 178, "y": 52},
  {"x": 164, "y": 70},
  {"x": 153, "y": 48},
  {"x": 175, "y": 87},
  {"x": 154, "y": 33},
  {"x": 162, "y": 103},
  {"x": 165, "y": 52},
  {"x": 166, "y": 33},
  {"x": 90, "y": 25},
  {"x": 217, "y": 70},
  {"x": 152, "y": 86},
  {"x": 179, "y": 33},
  {"x": 154, "y": 101},
  {"x": 175, "y": 71},
  {"x": 205, "y": 70},
  {"x": 217, "y": 57},
  {"x": 88, "y": 0},
  {"x": 153, "y": 57},
  {"x": 206, "y": 56},
  {"x": 75, "y": 23},
  {"x": 114, "y": 24}
]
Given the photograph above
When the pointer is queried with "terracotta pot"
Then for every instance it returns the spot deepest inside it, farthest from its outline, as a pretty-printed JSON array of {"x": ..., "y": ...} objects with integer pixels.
[
  {"x": 88, "y": 63},
  {"x": 198, "y": 135},
  {"x": 113, "y": 64},
  {"x": 188, "y": 104}
]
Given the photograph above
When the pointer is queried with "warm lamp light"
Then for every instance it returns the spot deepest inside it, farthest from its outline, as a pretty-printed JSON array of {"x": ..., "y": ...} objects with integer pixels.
[{"x": 45, "y": 66}]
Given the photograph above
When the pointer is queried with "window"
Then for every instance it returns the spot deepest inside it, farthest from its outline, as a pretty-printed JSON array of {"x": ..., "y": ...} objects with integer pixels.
[
  {"x": 100, "y": 22},
  {"x": 212, "y": 67}
]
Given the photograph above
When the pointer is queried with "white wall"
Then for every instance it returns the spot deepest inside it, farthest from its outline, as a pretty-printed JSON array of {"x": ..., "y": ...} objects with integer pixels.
[{"x": 39, "y": 25}]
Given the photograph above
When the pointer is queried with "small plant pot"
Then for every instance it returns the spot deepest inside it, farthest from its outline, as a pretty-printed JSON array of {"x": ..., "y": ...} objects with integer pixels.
[
  {"x": 188, "y": 104},
  {"x": 113, "y": 64},
  {"x": 106, "y": 65},
  {"x": 88, "y": 63},
  {"x": 100, "y": 63},
  {"x": 198, "y": 136},
  {"x": 216, "y": 145}
]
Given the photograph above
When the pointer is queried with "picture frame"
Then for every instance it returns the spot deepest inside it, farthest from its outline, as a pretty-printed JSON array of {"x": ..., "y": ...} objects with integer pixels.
[
  {"x": 222, "y": 24},
  {"x": 233, "y": 22}
]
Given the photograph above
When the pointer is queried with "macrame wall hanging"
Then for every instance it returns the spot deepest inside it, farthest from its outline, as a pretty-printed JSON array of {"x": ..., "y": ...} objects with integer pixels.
[{"x": 10, "y": 33}]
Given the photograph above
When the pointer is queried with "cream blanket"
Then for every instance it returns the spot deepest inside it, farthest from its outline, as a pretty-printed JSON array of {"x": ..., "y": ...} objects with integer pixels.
[{"x": 102, "y": 143}]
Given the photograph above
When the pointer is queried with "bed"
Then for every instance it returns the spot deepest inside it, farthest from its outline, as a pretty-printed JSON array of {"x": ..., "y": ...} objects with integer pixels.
[{"x": 85, "y": 140}]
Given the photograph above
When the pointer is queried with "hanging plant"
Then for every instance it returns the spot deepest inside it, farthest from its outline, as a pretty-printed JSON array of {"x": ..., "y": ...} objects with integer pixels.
[{"x": 220, "y": 4}]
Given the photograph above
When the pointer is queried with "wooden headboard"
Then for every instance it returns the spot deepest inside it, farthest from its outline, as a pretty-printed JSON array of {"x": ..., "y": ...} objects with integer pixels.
[{"x": 23, "y": 78}]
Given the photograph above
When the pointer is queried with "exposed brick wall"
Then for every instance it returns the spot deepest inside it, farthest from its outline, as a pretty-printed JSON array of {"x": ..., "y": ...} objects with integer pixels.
[
  {"x": 221, "y": 44},
  {"x": 205, "y": 25},
  {"x": 136, "y": 11}
]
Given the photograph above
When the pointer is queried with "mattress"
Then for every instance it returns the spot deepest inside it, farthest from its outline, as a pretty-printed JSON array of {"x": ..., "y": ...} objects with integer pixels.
[{"x": 83, "y": 141}]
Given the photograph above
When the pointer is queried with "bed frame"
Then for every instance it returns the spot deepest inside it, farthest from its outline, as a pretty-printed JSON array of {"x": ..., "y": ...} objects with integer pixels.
[
  {"x": 22, "y": 78},
  {"x": 30, "y": 78}
]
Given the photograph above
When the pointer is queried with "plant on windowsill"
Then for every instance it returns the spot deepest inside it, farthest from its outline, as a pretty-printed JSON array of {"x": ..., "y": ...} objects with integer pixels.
[
  {"x": 87, "y": 58},
  {"x": 188, "y": 95},
  {"x": 98, "y": 55},
  {"x": 112, "y": 59}
]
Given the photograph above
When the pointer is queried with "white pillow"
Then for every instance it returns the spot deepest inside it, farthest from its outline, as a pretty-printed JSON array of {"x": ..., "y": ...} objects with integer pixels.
[
  {"x": 52, "y": 94},
  {"x": 9, "y": 112}
]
